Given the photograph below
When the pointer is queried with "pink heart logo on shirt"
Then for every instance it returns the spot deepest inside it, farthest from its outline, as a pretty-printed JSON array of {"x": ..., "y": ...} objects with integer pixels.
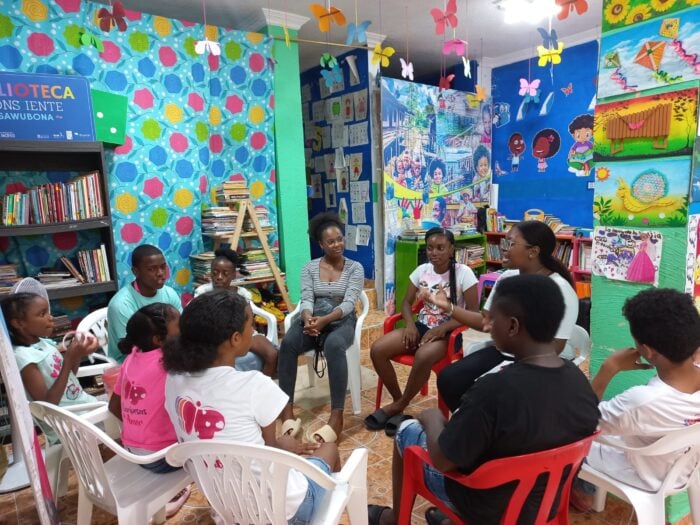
[
  {"x": 134, "y": 393},
  {"x": 204, "y": 421}
]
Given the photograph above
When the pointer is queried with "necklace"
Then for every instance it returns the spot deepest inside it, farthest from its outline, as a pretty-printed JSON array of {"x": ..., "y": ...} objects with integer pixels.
[{"x": 538, "y": 356}]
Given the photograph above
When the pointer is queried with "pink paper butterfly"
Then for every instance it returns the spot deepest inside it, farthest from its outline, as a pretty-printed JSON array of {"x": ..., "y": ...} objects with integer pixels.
[
  {"x": 456, "y": 46},
  {"x": 529, "y": 88},
  {"x": 445, "y": 18}
]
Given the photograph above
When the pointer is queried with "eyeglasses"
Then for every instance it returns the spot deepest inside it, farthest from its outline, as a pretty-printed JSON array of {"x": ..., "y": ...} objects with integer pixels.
[{"x": 507, "y": 244}]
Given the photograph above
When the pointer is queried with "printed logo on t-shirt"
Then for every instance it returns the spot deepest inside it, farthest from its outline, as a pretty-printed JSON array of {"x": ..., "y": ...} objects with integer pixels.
[
  {"x": 693, "y": 421},
  {"x": 204, "y": 421},
  {"x": 56, "y": 366},
  {"x": 134, "y": 393},
  {"x": 432, "y": 315},
  {"x": 73, "y": 391}
]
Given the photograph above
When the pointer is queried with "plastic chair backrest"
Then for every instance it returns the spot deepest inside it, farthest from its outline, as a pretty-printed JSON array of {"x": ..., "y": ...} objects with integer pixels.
[
  {"x": 96, "y": 323},
  {"x": 363, "y": 299},
  {"x": 81, "y": 441},
  {"x": 580, "y": 344}
]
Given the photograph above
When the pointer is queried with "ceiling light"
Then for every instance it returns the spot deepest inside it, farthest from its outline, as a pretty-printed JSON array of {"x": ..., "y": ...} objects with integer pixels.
[{"x": 529, "y": 11}]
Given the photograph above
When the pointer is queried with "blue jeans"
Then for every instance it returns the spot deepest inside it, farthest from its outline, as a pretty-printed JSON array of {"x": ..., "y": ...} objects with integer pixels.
[
  {"x": 249, "y": 361},
  {"x": 314, "y": 495},
  {"x": 160, "y": 466},
  {"x": 411, "y": 433}
]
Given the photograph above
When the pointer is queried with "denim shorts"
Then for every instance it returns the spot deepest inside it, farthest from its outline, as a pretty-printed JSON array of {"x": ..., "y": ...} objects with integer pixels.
[
  {"x": 411, "y": 433},
  {"x": 314, "y": 495}
]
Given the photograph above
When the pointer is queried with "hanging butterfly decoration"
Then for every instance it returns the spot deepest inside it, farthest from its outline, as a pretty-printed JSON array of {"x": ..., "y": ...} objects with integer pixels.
[
  {"x": 549, "y": 40},
  {"x": 114, "y": 18},
  {"x": 568, "y": 90},
  {"x": 530, "y": 90},
  {"x": 480, "y": 93},
  {"x": 456, "y": 46},
  {"x": 406, "y": 69},
  {"x": 568, "y": 6},
  {"x": 287, "y": 39},
  {"x": 467, "y": 67},
  {"x": 327, "y": 16},
  {"x": 90, "y": 39},
  {"x": 328, "y": 61},
  {"x": 206, "y": 45},
  {"x": 549, "y": 55},
  {"x": 445, "y": 18},
  {"x": 332, "y": 76},
  {"x": 357, "y": 32},
  {"x": 445, "y": 82},
  {"x": 382, "y": 56},
  {"x": 473, "y": 100}
]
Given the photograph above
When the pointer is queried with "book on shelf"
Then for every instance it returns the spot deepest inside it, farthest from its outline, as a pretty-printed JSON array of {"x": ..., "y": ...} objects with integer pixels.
[
  {"x": 94, "y": 265},
  {"x": 8, "y": 277},
  {"x": 471, "y": 255},
  {"x": 584, "y": 257},
  {"x": 72, "y": 269}
]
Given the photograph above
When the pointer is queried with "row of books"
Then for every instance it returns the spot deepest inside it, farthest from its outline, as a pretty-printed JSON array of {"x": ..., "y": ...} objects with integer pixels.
[
  {"x": 495, "y": 222},
  {"x": 56, "y": 279},
  {"x": 493, "y": 251},
  {"x": 232, "y": 191},
  {"x": 471, "y": 254},
  {"x": 585, "y": 261},
  {"x": 8, "y": 277},
  {"x": 94, "y": 265},
  {"x": 200, "y": 264},
  {"x": 563, "y": 252},
  {"x": 219, "y": 220},
  {"x": 76, "y": 200}
]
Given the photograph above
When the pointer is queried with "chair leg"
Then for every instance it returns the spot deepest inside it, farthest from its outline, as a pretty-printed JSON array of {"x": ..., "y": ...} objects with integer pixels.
[
  {"x": 649, "y": 510},
  {"x": 354, "y": 377},
  {"x": 380, "y": 389},
  {"x": 84, "y": 507},
  {"x": 694, "y": 499},
  {"x": 311, "y": 371},
  {"x": 159, "y": 517},
  {"x": 599, "y": 499},
  {"x": 135, "y": 514}
]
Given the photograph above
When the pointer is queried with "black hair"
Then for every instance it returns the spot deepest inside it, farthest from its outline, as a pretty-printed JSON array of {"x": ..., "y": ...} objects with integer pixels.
[
  {"x": 537, "y": 233},
  {"x": 453, "y": 271},
  {"x": 143, "y": 251},
  {"x": 584, "y": 121},
  {"x": 324, "y": 220},
  {"x": 552, "y": 136},
  {"x": 207, "y": 321},
  {"x": 146, "y": 323},
  {"x": 235, "y": 258},
  {"x": 15, "y": 306},
  {"x": 481, "y": 151},
  {"x": 535, "y": 300},
  {"x": 666, "y": 320}
]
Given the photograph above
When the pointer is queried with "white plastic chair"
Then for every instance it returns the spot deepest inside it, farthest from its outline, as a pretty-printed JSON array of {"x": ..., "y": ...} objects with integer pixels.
[
  {"x": 224, "y": 471},
  {"x": 649, "y": 506},
  {"x": 352, "y": 354},
  {"x": 578, "y": 347},
  {"x": 96, "y": 324},
  {"x": 119, "y": 486},
  {"x": 269, "y": 317}
]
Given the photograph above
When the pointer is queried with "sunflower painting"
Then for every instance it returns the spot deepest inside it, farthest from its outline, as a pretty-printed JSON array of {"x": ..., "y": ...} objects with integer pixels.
[{"x": 622, "y": 13}]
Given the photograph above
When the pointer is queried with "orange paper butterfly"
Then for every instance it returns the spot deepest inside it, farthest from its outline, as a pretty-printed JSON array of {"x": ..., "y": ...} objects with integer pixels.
[
  {"x": 568, "y": 90},
  {"x": 567, "y": 6},
  {"x": 326, "y": 16},
  {"x": 114, "y": 18}
]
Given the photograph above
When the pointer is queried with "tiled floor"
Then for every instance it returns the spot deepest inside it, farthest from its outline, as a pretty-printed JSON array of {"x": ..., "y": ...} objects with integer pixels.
[{"x": 313, "y": 409}]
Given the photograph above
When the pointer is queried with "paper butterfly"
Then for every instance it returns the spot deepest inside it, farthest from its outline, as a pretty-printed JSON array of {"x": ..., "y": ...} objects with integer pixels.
[
  {"x": 357, "y": 32},
  {"x": 569, "y": 5},
  {"x": 446, "y": 82},
  {"x": 456, "y": 46},
  {"x": 473, "y": 100},
  {"x": 286, "y": 36},
  {"x": 115, "y": 18},
  {"x": 549, "y": 55},
  {"x": 549, "y": 40},
  {"x": 88, "y": 39},
  {"x": 467, "y": 67},
  {"x": 480, "y": 93},
  {"x": 529, "y": 88},
  {"x": 406, "y": 69},
  {"x": 445, "y": 18},
  {"x": 327, "y": 60},
  {"x": 332, "y": 76},
  {"x": 326, "y": 16},
  {"x": 382, "y": 55},
  {"x": 568, "y": 90},
  {"x": 201, "y": 46}
]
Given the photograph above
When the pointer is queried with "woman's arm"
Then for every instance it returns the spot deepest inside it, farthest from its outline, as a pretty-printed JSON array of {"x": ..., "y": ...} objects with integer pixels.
[
  {"x": 306, "y": 306},
  {"x": 471, "y": 319}
]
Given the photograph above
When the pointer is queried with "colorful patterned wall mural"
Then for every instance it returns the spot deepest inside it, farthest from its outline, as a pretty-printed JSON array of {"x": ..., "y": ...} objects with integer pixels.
[{"x": 193, "y": 120}]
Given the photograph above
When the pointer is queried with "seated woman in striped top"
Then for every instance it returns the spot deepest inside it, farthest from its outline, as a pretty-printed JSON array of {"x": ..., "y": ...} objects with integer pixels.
[{"x": 330, "y": 286}]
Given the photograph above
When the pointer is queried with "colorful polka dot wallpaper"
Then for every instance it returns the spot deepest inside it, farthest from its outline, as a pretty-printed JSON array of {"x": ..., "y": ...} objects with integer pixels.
[{"x": 193, "y": 121}]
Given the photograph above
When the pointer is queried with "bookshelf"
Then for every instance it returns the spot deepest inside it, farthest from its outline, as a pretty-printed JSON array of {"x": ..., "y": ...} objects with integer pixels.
[
  {"x": 410, "y": 252},
  {"x": 582, "y": 266},
  {"x": 78, "y": 204}
]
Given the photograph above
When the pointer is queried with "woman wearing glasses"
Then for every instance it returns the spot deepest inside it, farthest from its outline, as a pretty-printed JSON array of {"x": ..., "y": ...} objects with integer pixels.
[{"x": 528, "y": 249}]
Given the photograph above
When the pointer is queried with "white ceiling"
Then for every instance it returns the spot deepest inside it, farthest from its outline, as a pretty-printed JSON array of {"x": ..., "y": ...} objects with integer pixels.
[{"x": 488, "y": 36}]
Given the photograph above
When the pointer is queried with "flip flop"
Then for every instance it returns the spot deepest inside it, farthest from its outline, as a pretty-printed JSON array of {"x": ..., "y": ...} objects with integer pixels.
[
  {"x": 374, "y": 513},
  {"x": 326, "y": 433},
  {"x": 434, "y": 516},
  {"x": 376, "y": 420},
  {"x": 291, "y": 427},
  {"x": 393, "y": 424}
]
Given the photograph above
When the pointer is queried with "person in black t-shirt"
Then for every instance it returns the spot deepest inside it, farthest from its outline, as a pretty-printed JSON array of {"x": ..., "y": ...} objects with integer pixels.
[{"x": 538, "y": 403}]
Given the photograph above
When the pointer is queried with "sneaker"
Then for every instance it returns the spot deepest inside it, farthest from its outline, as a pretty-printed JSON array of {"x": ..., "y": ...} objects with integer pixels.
[{"x": 175, "y": 504}]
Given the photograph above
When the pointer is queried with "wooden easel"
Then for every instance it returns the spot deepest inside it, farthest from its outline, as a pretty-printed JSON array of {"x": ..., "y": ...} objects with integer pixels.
[{"x": 245, "y": 207}]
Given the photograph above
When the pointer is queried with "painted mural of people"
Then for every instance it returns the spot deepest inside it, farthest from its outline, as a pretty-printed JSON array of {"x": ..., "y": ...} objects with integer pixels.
[
  {"x": 516, "y": 146},
  {"x": 544, "y": 146},
  {"x": 581, "y": 153}
]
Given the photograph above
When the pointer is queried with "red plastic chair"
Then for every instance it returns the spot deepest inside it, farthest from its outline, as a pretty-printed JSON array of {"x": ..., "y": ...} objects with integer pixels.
[
  {"x": 523, "y": 469},
  {"x": 407, "y": 359}
]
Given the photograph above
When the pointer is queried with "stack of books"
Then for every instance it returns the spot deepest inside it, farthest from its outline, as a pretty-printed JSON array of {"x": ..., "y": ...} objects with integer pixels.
[
  {"x": 263, "y": 215},
  {"x": 218, "y": 220},
  {"x": 8, "y": 277},
  {"x": 61, "y": 326},
  {"x": 56, "y": 278},
  {"x": 257, "y": 264},
  {"x": 200, "y": 263},
  {"x": 94, "y": 266},
  {"x": 232, "y": 191},
  {"x": 413, "y": 234},
  {"x": 472, "y": 255},
  {"x": 76, "y": 200}
]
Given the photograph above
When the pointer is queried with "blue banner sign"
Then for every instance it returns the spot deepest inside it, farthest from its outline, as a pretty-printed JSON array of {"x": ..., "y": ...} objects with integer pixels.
[{"x": 45, "y": 107}]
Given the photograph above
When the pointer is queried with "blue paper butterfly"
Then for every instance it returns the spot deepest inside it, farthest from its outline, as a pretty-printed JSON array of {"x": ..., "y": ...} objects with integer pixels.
[
  {"x": 357, "y": 32},
  {"x": 549, "y": 40},
  {"x": 331, "y": 76}
]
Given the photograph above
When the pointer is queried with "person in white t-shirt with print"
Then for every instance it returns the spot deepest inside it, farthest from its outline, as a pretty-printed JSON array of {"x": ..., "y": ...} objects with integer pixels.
[
  {"x": 425, "y": 338},
  {"x": 207, "y": 398}
]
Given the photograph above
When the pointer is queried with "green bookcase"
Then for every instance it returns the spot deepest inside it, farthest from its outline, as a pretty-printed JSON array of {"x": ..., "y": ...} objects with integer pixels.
[{"x": 411, "y": 252}]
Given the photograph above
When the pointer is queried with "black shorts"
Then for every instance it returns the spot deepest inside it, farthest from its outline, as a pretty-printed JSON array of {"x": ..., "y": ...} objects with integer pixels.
[{"x": 423, "y": 329}]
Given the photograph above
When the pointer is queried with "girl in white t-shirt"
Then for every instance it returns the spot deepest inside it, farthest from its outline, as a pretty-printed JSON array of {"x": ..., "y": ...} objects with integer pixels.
[
  {"x": 426, "y": 337},
  {"x": 207, "y": 398},
  {"x": 527, "y": 248}
]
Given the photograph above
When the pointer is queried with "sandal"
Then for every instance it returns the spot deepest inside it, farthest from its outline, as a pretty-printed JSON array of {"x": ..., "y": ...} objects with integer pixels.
[
  {"x": 291, "y": 427},
  {"x": 393, "y": 424},
  {"x": 434, "y": 516},
  {"x": 326, "y": 433},
  {"x": 175, "y": 504},
  {"x": 376, "y": 420},
  {"x": 374, "y": 513}
]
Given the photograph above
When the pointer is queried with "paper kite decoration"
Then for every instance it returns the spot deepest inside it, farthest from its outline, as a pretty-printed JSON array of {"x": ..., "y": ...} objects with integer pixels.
[
  {"x": 567, "y": 6},
  {"x": 406, "y": 69},
  {"x": 445, "y": 82},
  {"x": 357, "y": 32},
  {"x": 202, "y": 46},
  {"x": 382, "y": 56},
  {"x": 612, "y": 60},
  {"x": 326, "y": 16},
  {"x": 90, "y": 39},
  {"x": 456, "y": 46},
  {"x": 328, "y": 61},
  {"x": 669, "y": 28},
  {"x": 445, "y": 18},
  {"x": 332, "y": 76},
  {"x": 549, "y": 55},
  {"x": 115, "y": 17},
  {"x": 651, "y": 54}
]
